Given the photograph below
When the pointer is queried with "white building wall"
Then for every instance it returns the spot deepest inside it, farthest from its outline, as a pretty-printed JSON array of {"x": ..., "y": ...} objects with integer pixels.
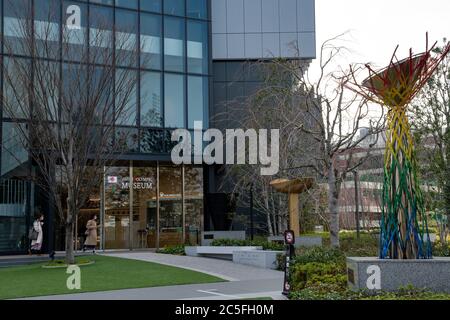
[{"x": 255, "y": 29}]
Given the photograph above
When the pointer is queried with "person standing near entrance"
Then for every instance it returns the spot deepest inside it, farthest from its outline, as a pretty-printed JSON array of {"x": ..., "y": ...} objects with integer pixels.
[
  {"x": 91, "y": 234},
  {"x": 37, "y": 234}
]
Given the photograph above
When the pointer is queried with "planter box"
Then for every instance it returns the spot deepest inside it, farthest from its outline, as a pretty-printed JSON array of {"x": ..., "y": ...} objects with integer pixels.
[
  {"x": 225, "y": 253},
  {"x": 210, "y": 236},
  {"x": 300, "y": 241},
  {"x": 390, "y": 275},
  {"x": 257, "y": 258}
]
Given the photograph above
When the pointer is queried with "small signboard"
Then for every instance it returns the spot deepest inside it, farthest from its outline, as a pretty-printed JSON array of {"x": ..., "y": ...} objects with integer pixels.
[{"x": 289, "y": 241}]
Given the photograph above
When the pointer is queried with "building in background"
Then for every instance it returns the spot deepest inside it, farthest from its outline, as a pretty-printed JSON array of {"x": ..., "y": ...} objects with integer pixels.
[{"x": 198, "y": 51}]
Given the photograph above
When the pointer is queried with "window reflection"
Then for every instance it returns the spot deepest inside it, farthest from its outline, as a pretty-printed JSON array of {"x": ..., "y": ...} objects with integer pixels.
[
  {"x": 100, "y": 34},
  {"x": 132, "y": 4},
  {"x": 174, "y": 36},
  {"x": 197, "y": 9},
  {"x": 174, "y": 100},
  {"x": 151, "y": 99},
  {"x": 174, "y": 7},
  {"x": 197, "y": 47},
  {"x": 46, "y": 27},
  {"x": 151, "y": 5},
  {"x": 126, "y": 37},
  {"x": 17, "y": 15},
  {"x": 197, "y": 100},
  {"x": 126, "y": 97},
  {"x": 150, "y": 41}
]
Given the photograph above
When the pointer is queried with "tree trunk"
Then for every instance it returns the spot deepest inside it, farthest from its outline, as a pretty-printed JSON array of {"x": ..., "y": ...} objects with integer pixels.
[
  {"x": 333, "y": 197},
  {"x": 269, "y": 222},
  {"x": 70, "y": 257}
]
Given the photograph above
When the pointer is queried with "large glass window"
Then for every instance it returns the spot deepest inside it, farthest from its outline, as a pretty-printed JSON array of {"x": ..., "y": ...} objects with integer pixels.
[
  {"x": 126, "y": 37},
  {"x": 197, "y": 9},
  {"x": 174, "y": 101},
  {"x": 46, "y": 27},
  {"x": 197, "y": 100},
  {"x": 151, "y": 115},
  {"x": 174, "y": 7},
  {"x": 46, "y": 88},
  {"x": 151, "y": 5},
  {"x": 126, "y": 97},
  {"x": 17, "y": 18},
  {"x": 132, "y": 4},
  {"x": 100, "y": 91},
  {"x": 16, "y": 96},
  {"x": 73, "y": 94},
  {"x": 14, "y": 155},
  {"x": 197, "y": 47},
  {"x": 151, "y": 41},
  {"x": 174, "y": 43},
  {"x": 13, "y": 204},
  {"x": 107, "y": 2},
  {"x": 100, "y": 34}
]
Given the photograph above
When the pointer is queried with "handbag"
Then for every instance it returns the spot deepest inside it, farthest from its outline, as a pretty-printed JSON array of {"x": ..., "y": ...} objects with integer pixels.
[{"x": 33, "y": 234}]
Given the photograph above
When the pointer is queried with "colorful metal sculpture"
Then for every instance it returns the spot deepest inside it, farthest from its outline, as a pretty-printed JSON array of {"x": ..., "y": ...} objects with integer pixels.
[{"x": 404, "y": 230}]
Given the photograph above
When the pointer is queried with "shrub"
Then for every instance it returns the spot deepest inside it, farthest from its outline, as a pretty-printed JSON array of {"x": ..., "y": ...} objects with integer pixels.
[
  {"x": 319, "y": 254},
  {"x": 318, "y": 273},
  {"x": 324, "y": 293},
  {"x": 441, "y": 249},
  {"x": 175, "y": 250}
]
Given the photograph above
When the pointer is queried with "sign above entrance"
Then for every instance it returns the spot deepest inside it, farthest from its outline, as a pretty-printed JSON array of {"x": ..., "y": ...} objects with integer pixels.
[{"x": 139, "y": 183}]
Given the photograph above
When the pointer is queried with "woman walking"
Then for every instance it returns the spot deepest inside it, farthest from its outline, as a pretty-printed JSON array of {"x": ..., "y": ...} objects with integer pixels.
[
  {"x": 91, "y": 234},
  {"x": 37, "y": 234}
]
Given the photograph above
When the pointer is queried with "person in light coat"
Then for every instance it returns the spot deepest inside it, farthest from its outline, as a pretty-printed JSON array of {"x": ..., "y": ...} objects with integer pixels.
[
  {"x": 36, "y": 245},
  {"x": 91, "y": 234}
]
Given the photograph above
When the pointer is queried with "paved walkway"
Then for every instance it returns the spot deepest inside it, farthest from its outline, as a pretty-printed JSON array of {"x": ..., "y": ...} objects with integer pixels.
[
  {"x": 224, "y": 269},
  {"x": 244, "y": 281}
]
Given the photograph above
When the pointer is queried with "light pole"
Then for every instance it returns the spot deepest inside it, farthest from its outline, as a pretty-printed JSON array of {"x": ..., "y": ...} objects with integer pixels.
[
  {"x": 251, "y": 212},
  {"x": 356, "y": 204}
]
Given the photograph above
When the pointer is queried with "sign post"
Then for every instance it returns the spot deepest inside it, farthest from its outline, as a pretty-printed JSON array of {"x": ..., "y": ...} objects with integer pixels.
[{"x": 289, "y": 241}]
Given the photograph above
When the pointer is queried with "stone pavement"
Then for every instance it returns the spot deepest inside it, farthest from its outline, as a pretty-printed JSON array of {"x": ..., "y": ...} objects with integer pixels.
[{"x": 224, "y": 269}]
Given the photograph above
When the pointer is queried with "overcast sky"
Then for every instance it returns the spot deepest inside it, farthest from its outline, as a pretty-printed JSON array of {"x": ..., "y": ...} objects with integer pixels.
[{"x": 377, "y": 26}]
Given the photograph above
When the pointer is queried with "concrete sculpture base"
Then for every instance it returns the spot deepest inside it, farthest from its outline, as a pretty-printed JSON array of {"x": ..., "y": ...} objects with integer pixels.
[{"x": 373, "y": 274}]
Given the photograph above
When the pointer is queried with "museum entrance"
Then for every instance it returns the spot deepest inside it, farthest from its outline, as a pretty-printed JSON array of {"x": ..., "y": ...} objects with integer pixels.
[{"x": 145, "y": 207}]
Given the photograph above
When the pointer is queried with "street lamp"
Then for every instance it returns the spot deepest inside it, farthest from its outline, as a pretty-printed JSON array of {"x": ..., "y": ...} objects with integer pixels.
[{"x": 251, "y": 212}]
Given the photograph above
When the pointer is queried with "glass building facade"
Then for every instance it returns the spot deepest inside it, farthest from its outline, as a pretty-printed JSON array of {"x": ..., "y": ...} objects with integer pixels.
[{"x": 172, "y": 73}]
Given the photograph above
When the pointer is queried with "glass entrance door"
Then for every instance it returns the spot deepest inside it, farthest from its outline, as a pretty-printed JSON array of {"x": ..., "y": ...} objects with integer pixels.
[
  {"x": 170, "y": 206},
  {"x": 117, "y": 208},
  {"x": 148, "y": 207},
  {"x": 144, "y": 226}
]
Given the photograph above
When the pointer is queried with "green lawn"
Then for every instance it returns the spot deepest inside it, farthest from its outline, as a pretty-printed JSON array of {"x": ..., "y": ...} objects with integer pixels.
[{"x": 107, "y": 273}]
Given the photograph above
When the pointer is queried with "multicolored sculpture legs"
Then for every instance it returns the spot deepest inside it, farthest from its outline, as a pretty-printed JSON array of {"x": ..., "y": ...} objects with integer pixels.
[{"x": 404, "y": 229}]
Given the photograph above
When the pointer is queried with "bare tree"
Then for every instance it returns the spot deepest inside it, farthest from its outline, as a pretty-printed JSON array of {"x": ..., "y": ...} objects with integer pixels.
[
  {"x": 320, "y": 120},
  {"x": 272, "y": 105},
  {"x": 66, "y": 100},
  {"x": 431, "y": 123}
]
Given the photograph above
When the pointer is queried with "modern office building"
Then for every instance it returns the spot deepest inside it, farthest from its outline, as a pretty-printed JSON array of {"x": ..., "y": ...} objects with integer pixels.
[{"x": 198, "y": 52}]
